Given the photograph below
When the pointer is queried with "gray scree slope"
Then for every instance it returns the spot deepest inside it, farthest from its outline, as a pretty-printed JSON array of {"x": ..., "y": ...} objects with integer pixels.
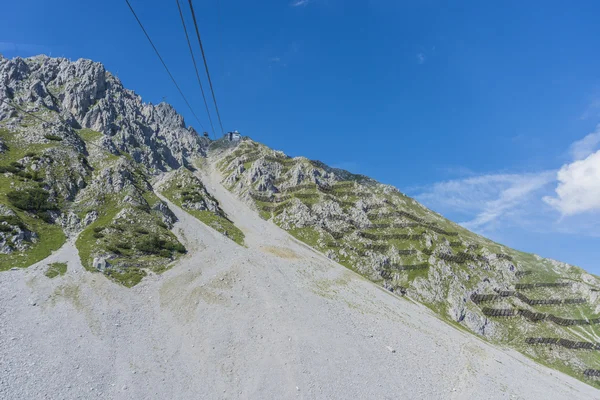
[{"x": 272, "y": 320}]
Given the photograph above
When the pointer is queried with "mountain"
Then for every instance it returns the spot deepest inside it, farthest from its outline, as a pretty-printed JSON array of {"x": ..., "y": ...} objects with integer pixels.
[
  {"x": 96, "y": 183},
  {"x": 542, "y": 307},
  {"x": 79, "y": 151}
]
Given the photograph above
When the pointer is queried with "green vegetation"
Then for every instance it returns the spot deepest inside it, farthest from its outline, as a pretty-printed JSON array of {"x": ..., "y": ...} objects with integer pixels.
[
  {"x": 56, "y": 269},
  {"x": 185, "y": 189},
  {"x": 460, "y": 262},
  {"x": 13, "y": 220},
  {"x": 53, "y": 137},
  {"x": 219, "y": 223},
  {"x": 34, "y": 200},
  {"x": 29, "y": 202},
  {"x": 129, "y": 278},
  {"x": 193, "y": 196},
  {"x": 130, "y": 250},
  {"x": 307, "y": 235},
  {"x": 88, "y": 134},
  {"x": 50, "y": 238},
  {"x": 153, "y": 244}
]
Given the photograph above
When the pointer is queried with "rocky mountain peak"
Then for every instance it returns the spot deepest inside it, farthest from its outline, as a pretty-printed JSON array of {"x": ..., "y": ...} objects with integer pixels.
[{"x": 85, "y": 95}]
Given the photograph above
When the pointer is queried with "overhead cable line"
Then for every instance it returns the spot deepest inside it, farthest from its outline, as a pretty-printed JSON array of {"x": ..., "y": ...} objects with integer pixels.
[
  {"x": 205, "y": 64},
  {"x": 163, "y": 63},
  {"x": 195, "y": 67}
]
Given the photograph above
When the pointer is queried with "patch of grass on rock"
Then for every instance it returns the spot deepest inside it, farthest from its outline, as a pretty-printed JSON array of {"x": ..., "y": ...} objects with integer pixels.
[{"x": 56, "y": 269}]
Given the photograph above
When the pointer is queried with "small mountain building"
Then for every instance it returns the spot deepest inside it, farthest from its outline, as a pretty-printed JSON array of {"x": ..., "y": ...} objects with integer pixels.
[{"x": 234, "y": 136}]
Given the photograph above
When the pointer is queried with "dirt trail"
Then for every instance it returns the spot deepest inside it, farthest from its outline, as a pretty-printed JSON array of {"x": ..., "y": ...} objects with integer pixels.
[{"x": 274, "y": 319}]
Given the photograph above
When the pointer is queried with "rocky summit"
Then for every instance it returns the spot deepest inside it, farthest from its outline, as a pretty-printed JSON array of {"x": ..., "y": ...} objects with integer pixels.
[{"x": 140, "y": 260}]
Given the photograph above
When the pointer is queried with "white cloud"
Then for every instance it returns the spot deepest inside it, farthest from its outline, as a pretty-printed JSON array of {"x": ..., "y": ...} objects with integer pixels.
[
  {"x": 586, "y": 146},
  {"x": 565, "y": 201},
  {"x": 420, "y": 58},
  {"x": 487, "y": 199},
  {"x": 299, "y": 3},
  {"x": 578, "y": 190}
]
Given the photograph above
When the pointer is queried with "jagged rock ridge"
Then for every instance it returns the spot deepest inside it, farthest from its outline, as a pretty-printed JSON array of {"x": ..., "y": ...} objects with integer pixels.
[{"x": 85, "y": 95}]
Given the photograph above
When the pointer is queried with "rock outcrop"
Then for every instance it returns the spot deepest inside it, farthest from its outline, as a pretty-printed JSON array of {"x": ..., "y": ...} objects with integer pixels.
[
  {"x": 84, "y": 95},
  {"x": 410, "y": 250}
]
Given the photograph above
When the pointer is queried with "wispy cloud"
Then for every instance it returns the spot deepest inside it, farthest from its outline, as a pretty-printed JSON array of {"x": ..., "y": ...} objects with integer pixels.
[
  {"x": 421, "y": 58},
  {"x": 486, "y": 201},
  {"x": 565, "y": 200},
  {"x": 299, "y": 3},
  {"x": 586, "y": 146}
]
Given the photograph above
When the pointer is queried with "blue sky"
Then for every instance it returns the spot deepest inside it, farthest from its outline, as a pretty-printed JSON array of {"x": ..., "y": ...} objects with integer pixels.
[{"x": 487, "y": 112}]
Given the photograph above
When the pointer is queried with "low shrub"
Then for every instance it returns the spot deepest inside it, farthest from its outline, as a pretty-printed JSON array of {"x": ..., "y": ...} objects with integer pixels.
[
  {"x": 26, "y": 175},
  {"x": 44, "y": 216},
  {"x": 118, "y": 227},
  {"x": 5, "y": 228},
  {"x": 53, "y": 137},
  {"x": 12, "y": 220},
  {"x": 113, "y": 249},
  {"x": 36, "y": 176},
  {"x": 164, "y": 253},
  {"x": 192, "y": 197},
  {"x": 14, "y": 168},
  {"x": 34, "y": 200},
  {"x": 152, "y": 244},
  {"x": 178, "y": 247}
]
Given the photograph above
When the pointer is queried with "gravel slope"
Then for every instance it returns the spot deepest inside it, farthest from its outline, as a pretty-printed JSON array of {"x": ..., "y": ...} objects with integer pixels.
[{"x": 271, "y": 320}]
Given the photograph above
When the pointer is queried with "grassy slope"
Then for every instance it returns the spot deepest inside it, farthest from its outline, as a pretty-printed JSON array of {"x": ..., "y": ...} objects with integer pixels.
[
  {"x": 51, "y": 237},
  {"x": 123, "y": 243},
  {"x": 177, "y": 192},
  {"x": 128, "y": 250}
]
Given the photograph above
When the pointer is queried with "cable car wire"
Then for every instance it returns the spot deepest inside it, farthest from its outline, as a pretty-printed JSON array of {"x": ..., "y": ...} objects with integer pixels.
[
  {"x": 163, "y": 63},
  {"x": 195, "y": 67},
  {"x": 205, "y": 64}
]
